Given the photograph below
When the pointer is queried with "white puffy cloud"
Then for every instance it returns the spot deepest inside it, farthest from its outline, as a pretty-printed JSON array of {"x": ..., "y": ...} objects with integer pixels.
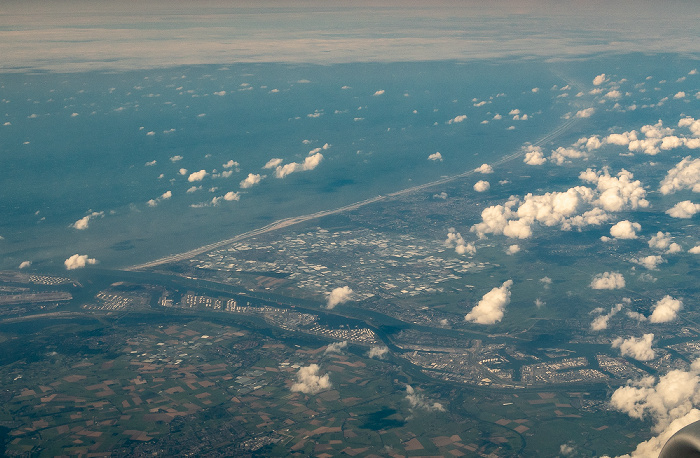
[
  {"x": 78, "y": 261},
  {"x": 455, "y": 239},
  {"x": 600, "y": 79},
  {"x": 484, "y": 168},
  {"x": 25, "y": 264},
  {"x": 692, "y": 124},
  {"x": 197, "y": 176},
  {"x": 192, "y": 189},
  {"x": 514, "y": 112},
  {"x": 310, "y": 163},
  {"x": 651, "y": 262},
  {"x": 379, "y": 92},
  {"x": 679, "y": 95},
  {"x": 183, "y": 172},
  {"x": 231, "y": 164},
  {"x": 665, "y": 310},
  {"x": 272, "y": 163},
  {"x": 637, "y": 348},
  {"x": 251, "y": 180},
  {"x": 608, "y": 280},
  {"x": 490, "y": 308},
  {"x": 685, "y": 209},
  {"x": 339, "y": 295},
  {"x": 561, "y": 155},
  {"x": 670, "y": 402},
  {"x": 151, "y": 163},
  {"x": 176, "y": 158},
  {"x": 481, "y": 186},
  {"x": 309, "y": 382},
  {"x": 694, "y": 250},
  {"x": 336, "y": 347},
  {"x": 435, "y": 157},
  {"x": 512, "y": 249},
  {"x": 418, "y": 401},
  {"x": 84, "y": 222},
  {"x": 601, "y": 321},
  {"x": 625, "y": 230},
  {"x": 585, "y": 113},
  {"x": 378, "y": 351},
  {"x": 685, "y": 175},
  {"x": 231, "y": 196},
  {"x": 165, "y": 196},
  {"x": 534, "y": 155},
  {"x": 457, "y": 119},
  {"x": 662, "y": 241},
  {"x": 616, "y": 192}
]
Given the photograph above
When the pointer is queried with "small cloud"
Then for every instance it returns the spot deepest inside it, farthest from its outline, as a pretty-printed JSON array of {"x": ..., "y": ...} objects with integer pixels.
[
  {"x": 600, "y": 79},
  {"x": 694, "y": 250},
  {"x": 220, "y": 93},
  {"x": 336, "y": 347},
  {"x": 379, "y": 92},
  {"x": 535, "y": 90},
  {"x": 378, "y": 351},
  {"x": 251, "y": 180},
  {"x": 272, "y": 163},
  {"x": 150, "y": 133},
  {"x": 637, "y": 348},
  {"x": 514, "y": 112},
  {"x": 151, "y": 163},
  {"x": 585, "y": 113},
  {"x": 176, "y": 158},
  {"x": 484, "y": 168},
  {"x": 685, "y": 209},
  {"x": 182, "y": 172},
  {"x": 534, "y": 155},
  {"x": 662, "y": 241},
  {"x": 482, "y": 186},
  {"x": 197, "y": 176},
  {"x": 309, "y": 382},
  {"x": 457, "y": 119},
  {"x": 193, "y": 189},
  {"x": 231, "y": 196},
  {"x": 625, "y": 230},
  {"x": 608, "y": 280},
  {"x": 231, "y": 164},
  {"x": 490, "y": 308},
  {"x": 303, "y": 81},
  {"x": 78, "y": 261},
  {"x": 665, "y": 310},
  {"x": 650, "y": 262},
  {"x": 338, "y": 296},
  {"x": 435, "y": 157},
  {"x": 496, "y": 117},
  {"x": 512, "y": 249},
  {"x": 84, "y": 222},
  {"x": 679, "y": 95},
  {"x": 25, "y": 264},
  {"x": 418, "y": 401}
]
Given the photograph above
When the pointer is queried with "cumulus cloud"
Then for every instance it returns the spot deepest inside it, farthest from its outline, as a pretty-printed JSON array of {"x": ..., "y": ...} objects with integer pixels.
[
  {"x": 379, "y": 92},
  {"x": 84, "y": 222},
  {"x": 669, "y": 401},
  {"x": 456, "y": 241},
  {"x": 339, "y": 295},
  {"x": 309, "y": 382},
  {"x": 650, "y": 262},
  {"x": 665, "y": 310},
  {"x": 561, "y": 155},
  {"x": 192, "y": 189},
  {"x": 600, "y": 322},
  {"x": 600, "y": 79},
  {"x": 616, "y": 192},
  {"x": 457, "y": 119},
  {"x": 608, "y": 280},
  {"x": 694, "y": 250},
  {"x": 78, "y": 261},
  {"x": 336, "y": 347},
  {"x": 481, "y": 186},
  {"x": 490, "y": 308},
  {"x": 378, "y": 351},
  {"x": 165, "y": 196},
  {"x": 637, "y": 348},
  {"x": 585, "y": 113},
  {"x": 151, "y": 163},
  {"x": 512, "y": 249},
  {"x": 534, "y": 155},
  {"x": 418, "y": 401},
  {"x": 197, "y": 176},
  {"x": 435, "y": 157},
  {"x": 685, "y": 175},
  {"x": 25, "y": 264},
  {"x": 662, "y": 242},
  {"x": 685, "y": 209},
  {"x": 272, "y": 163},
  {"x": 625, "y": 230},
  {"x": 176, "y": 158},
  {"x": 484, "y": 168},
  {"x": 251, "y": 180},
  {"x": 679, "y": 95},
  {"x": 310, "y": 163},
  {"x": 231, "y": 164}
]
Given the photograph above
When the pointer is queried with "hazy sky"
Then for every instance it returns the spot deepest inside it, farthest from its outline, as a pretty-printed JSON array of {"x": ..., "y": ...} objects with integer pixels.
[{"x": 81, "y": 35}]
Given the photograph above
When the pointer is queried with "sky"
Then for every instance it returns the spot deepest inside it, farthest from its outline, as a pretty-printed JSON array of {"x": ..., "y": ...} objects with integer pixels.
[{"x": 80, "y": 35}]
